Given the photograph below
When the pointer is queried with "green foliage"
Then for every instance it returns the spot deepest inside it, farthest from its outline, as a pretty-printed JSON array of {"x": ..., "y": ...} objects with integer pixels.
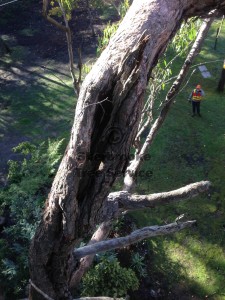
[
  {"x": 108, "y": 32},
  {"x": 170, "y": 63},
  {"x": 185, "y": 35},
  {"x": 67, "y": 5},
  {"x": 111, "y": 29},
  {"x": 123, "y": 8},
  {"x": 138, "y": 265},
  {"x": 86, "y": 68},
  {"x": 188, "y": 150},
  {"x": 109, "y": 278},
  {"x": 29, "y": 183}
]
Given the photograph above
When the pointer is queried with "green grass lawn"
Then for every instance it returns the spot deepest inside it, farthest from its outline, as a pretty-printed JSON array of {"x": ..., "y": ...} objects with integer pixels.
[
  {"x": 187, "y": 150},
  {"x": 38, "y": 102}
]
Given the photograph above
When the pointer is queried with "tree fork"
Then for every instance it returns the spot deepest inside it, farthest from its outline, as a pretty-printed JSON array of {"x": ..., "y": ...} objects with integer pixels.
[{"x": 75, "y": 202}]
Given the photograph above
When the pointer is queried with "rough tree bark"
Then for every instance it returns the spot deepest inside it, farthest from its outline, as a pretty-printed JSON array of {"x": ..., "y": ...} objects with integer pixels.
[
  {"x": 106, "y": 122},
  {"x": 134, "y": 201}
]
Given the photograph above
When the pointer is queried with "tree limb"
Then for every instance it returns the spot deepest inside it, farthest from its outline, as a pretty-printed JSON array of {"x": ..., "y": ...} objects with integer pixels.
[
  {"x": 50, "y": 19},
  {"x": 98, "y": 298},
  {"x": 66, "y": 29},
  {"x": 127, "y": 201},
  {"x": 134, "y": 237},
  {"x": 130, "y": 202},
  {"x": 100, "y": 234},
  {"x": 135, "y": 164},
  {"x": 40, "y": 291}
]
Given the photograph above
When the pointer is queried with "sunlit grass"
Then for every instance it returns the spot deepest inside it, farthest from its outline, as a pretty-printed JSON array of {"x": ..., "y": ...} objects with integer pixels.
[{"x": 188, "y": 150}]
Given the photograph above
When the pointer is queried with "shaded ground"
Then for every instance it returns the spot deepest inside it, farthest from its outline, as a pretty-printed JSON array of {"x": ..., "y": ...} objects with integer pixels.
[{"x": 38, "y": 62}]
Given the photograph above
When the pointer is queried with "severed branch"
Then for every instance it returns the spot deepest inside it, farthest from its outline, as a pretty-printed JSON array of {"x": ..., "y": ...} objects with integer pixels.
[
  {"x": 121, "y": 201},
  {"x": 134, "y": 237}
]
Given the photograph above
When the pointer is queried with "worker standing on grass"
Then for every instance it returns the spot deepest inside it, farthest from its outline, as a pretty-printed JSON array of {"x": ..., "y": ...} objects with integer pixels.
[{"x": 196, "y": 96}]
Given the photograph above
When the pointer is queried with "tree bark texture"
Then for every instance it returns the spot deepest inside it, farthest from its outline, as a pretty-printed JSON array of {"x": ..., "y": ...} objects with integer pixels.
[{"x": 105, "y": 125}]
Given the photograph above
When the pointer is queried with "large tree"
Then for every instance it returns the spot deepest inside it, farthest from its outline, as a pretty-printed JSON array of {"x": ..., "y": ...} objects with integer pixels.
[{"x": 105, "y": 125}]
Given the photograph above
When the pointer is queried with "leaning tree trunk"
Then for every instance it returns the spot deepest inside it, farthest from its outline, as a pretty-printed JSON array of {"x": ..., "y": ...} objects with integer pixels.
[{"x": 106, "y": 122}]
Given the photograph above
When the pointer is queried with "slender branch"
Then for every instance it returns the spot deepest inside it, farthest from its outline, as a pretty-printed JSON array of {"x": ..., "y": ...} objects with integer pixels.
[
  {"x": 8, "y": 3},
  {"x": 76, "y": 83},
  {"x": 134, "y": 237},
  {"x": 50, "y": 19},
  {"x": 66, "y": 29},
  {"x": 100, "y": 234},
  {"x": 98, "y": 298},
  {"x": 128, "y": 201},
  {"x": 40, "y": 291},
  {"x": 135, "y": 164}
]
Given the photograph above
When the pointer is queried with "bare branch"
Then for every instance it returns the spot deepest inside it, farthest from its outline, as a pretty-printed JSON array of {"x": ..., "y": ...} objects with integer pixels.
[
  {"x": 138, "y": 201},
  {"x": 50, "y": 19},
  {"x": 127, "y": 201},
  {"x": 134, "y": 237},
  {"x": 66, "y": 29},
  {"x": 100, "y": 234},
  {"x": 135, "y": 164},
  {"x": 76, "y": 83},
  {"x": 91, "y": 298},
  {"x": 98, "y": 298},
  {"x": 40, "y": 291}
]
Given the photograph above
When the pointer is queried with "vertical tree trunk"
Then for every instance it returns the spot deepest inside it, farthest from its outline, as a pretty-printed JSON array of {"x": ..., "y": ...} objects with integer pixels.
[
  {"x": 220, "y": 87},
  {"x": 106, "y": 122},
  {"x": 90, "y": 17}
]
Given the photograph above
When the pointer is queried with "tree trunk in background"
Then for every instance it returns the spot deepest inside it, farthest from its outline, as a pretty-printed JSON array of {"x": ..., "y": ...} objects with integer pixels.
[
  {"x": 4, "y": 48},
  {"x": 221, "y": 83},
  {"x": 106, "y": 122}
]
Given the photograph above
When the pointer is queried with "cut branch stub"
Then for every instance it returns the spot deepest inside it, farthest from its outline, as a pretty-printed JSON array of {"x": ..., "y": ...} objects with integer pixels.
[{"x": 124, "y": 201}]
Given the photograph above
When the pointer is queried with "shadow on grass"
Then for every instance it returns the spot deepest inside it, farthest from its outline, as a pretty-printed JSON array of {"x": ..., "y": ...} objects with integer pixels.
[{"x": 36, "y": 103}]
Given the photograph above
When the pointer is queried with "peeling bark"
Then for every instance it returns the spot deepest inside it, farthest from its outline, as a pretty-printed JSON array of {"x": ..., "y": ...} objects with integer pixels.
[{"x": 106, "y": 122}]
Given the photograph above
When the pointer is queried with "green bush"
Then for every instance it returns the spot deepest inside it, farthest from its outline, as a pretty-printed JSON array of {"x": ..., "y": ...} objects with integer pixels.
[
  {"x": 108, "y": 278},
  {"x": 29, "y": 183}
]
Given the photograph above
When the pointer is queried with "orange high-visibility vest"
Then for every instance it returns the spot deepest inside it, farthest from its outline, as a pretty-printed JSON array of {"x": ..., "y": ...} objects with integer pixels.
[{"x": 197, "y": 95}]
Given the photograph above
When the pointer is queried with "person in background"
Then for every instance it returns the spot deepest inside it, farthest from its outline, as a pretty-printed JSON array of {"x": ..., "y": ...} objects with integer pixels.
[{"x": 196, "y": 97}]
